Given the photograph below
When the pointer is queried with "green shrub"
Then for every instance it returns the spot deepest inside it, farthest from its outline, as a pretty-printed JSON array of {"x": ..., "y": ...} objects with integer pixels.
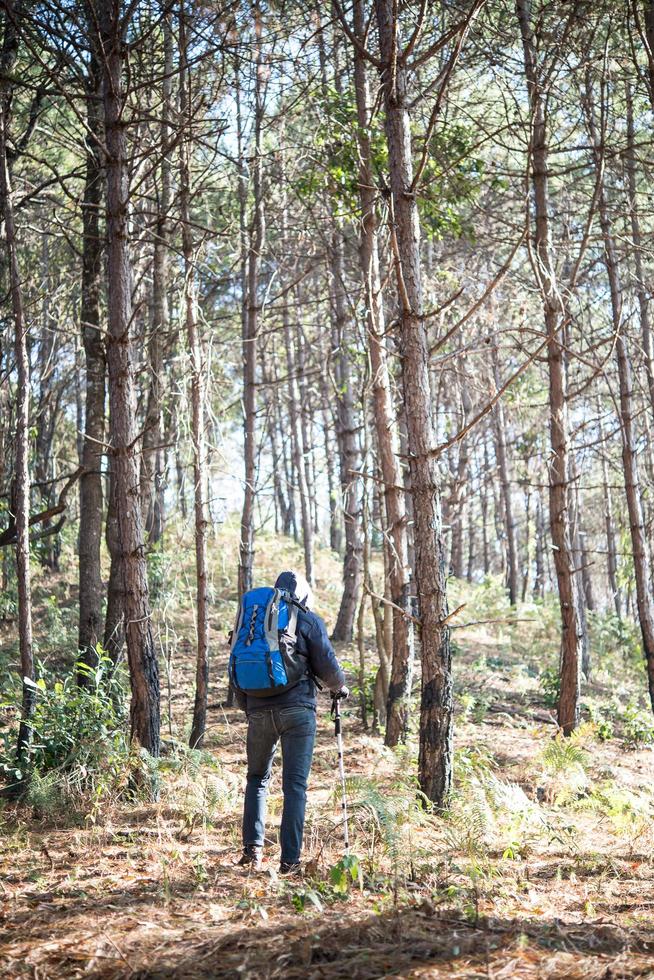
[
  {"x": 159, "y": 563},
  {"x": 638, "y": 726},
  {"x": 79, "y": 742},
  {"x": 612, "y": 635},
  {"x": 549, "y": 683}
]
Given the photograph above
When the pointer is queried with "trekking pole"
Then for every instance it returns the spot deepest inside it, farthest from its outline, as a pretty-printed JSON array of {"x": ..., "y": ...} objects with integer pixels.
[{"x": 336, "y": 715}]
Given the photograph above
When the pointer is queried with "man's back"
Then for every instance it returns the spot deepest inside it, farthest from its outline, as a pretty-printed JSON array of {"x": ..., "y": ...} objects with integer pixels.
[{"x": 312, "y": 643}]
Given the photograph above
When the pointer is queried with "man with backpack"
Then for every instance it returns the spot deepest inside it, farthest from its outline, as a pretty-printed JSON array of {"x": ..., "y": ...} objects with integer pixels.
[{"x": 280, "y": 650}]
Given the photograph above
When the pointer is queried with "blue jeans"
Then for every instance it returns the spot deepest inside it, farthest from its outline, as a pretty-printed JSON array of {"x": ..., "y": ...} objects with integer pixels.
[{"x": 296, "y": 727}]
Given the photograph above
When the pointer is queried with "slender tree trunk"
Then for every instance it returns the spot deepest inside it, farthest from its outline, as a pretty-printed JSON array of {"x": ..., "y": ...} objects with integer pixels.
[
  {"x": 640, "y": 284},
  {"x": 539, "y": 580},
  {"x": 399, "y": 689},
  {"x": 639, "y": 544},
  {"x": 347, "y": 433},
  {"x": 470, "y": 524},
  {"x": 197, "y": 396},
  {"x": 306, "y": 428},
  {"x": 609, "y": 524},
  {"x": 152, "y": 458},
  {"x": 335, "y": 531},
  {"x": 456, "y": 505},
  {"x": 560, "y": 510},
  {"x": 297, "y": 447},
  {"x": 21, "y": 489},
  {"x": 141, "y": 654},
  {"x": 255, "y": 240},
  {"x": 499, "y": 430},
  {"x": 648, "y": 10},
  {"x": 281, "y": 506},
  {"x": 91, "y": 495},
  {"x": 436, "y": 709}
]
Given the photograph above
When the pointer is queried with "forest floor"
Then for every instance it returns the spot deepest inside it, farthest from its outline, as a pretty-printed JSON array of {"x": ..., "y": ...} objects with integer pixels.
[{"x": 544, "y": 866}]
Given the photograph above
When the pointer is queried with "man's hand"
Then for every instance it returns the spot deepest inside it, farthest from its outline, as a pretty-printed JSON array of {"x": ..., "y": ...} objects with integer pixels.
[{"x": 342, "y": 693}]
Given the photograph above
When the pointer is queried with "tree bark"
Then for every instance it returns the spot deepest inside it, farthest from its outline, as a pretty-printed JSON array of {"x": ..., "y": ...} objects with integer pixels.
[
  {"x": 395, "y": 542},
  {"x": 297, "y": 447},
  {"x": 609, "y": 525},
  {"x": 198, "y": 395},
  {"x": 141, "y": 654},
  {"x": 252, "y": 246},
  {"x": 152, "y": 458},
  {"x": 91, "y": 494},
  {"x": 347, "y": 432},
  {"x": 436, "y": 709},
  {"x": 504, "y": 469},
  {"x": 640, "y": 286},
  {"x": 21, "y": 489},
  {"x": 335, "y": 530},
  {"x": 554, "y": 314},
  {"x": 639, "y": 544}
]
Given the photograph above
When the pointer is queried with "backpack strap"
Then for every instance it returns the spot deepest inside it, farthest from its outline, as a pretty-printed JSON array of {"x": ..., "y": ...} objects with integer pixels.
[
  {"x": 237, "y": 624},
  {"x": 291, "y": 629},
  {"x": 271, "y": 624}
]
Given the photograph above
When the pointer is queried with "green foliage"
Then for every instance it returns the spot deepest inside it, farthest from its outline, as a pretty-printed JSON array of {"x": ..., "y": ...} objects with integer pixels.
[
  {"x": 452, "y": 175},
  {"x": 352, "y": 668},
  {"x": 565, "y": 755},
  {"x": 611, "y": 636},
  {"x": 158, "y": 572},
  {"x": 8, "y": 596},
  {"x": 489, "y": 600},
  {"x": 631, "y": 722},
  {"x": 78, "y": 743},
  {"x": 337, "y": 157},
  {"x": 469, "y": 817},
  {"x": 58, "y": 635},
  {"x": 637, "y": 726},
  {"x": 389, "y": 813},
  {"x": 625, "y": 809},
  {"x": 345, "y": 872},
  {"x": 303, "y": 898},
  {"x": 549, "y": 683}
]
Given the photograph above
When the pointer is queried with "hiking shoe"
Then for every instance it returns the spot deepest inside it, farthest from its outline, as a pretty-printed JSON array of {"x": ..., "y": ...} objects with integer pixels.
[
  {"x": 251, "y": 858},
  {"x": 290, "y": 870}
]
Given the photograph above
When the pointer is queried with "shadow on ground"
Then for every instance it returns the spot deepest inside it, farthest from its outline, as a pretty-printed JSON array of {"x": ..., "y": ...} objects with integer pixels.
[{"x": 417, "y": 942}]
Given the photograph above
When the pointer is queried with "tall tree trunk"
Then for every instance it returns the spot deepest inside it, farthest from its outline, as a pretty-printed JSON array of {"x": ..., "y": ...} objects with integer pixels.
[
  {"x": 335, "y": 530},
  {"x": 609, "y": 524},
  {"x": 297, "y": 447},
  {"x": 560, "y": 509},
  {"x": 648, "y": 10},
  {"x": 141, "y": 654},
  {"x": 640, "y": 284},
  {"x": 281, "y": 505},
  {"x": 255, "y": 240},
  {"x": 470, "y": 524},
  {"x": 395, "y": 543},
  {"x": 152, "y": 458},
  {"x": 91, "y": 491},
  {"x": 539, "y": 579},
  {"x": 21, "y": 489},
  {"x": 503, "y": 465},
  {"x": 436, "y": 709},
  {"x": 198, "y": 425},
  {"x": 304, "y": 415},
  {"x": 639, "y": 544},
  {"x": 347, "y": 432}
]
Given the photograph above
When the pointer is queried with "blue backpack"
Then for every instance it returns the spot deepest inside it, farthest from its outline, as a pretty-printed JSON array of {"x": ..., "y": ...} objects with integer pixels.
[{"x": 263, "y": 660}]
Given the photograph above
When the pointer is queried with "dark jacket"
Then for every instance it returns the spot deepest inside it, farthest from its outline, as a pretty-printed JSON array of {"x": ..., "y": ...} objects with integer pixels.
[{"x": 312, "y": 643}]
